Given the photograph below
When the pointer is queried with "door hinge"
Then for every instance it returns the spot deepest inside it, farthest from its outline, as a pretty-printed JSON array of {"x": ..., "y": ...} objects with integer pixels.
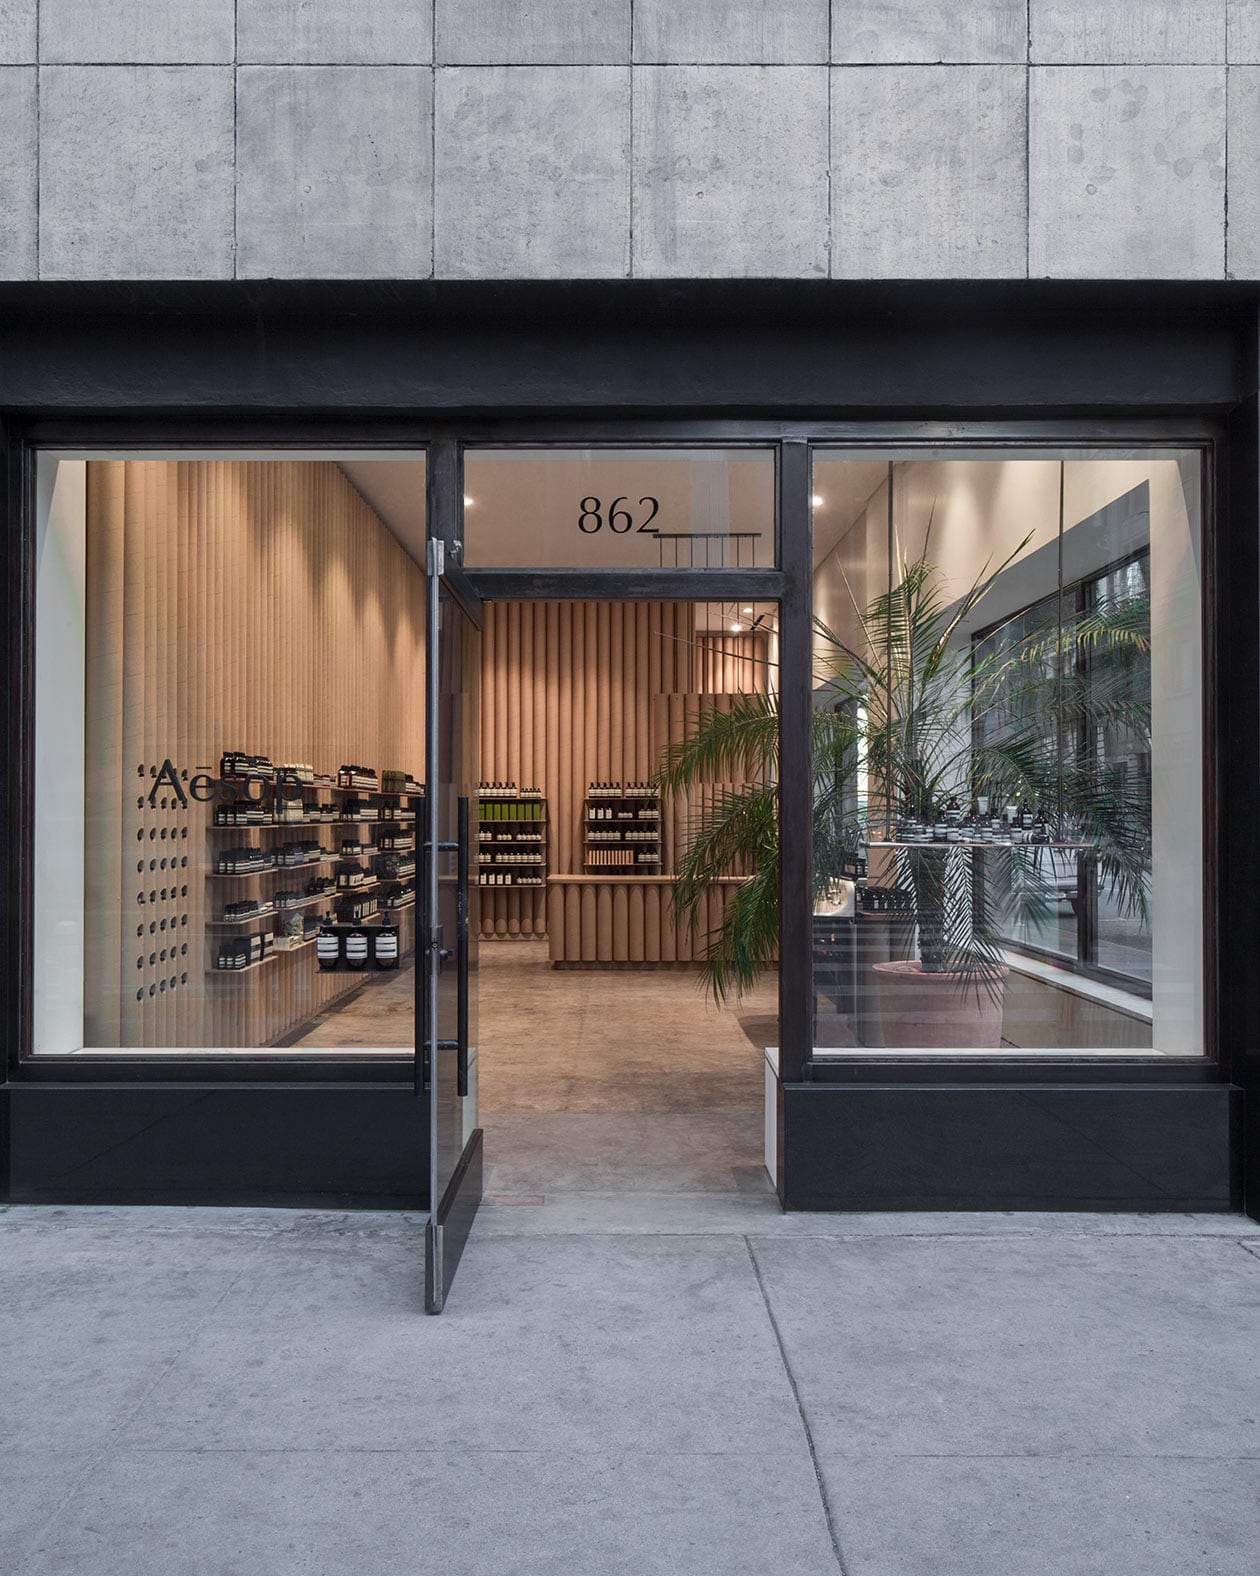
[{"x": 435, "y": 557}]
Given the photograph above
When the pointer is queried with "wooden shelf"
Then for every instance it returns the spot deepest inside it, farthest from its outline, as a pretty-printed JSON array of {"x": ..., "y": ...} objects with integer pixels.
[
  {"x": 271, "y": 870},
  {"x": 1062, "y": 847},
  {"x": 313, "y": 821},
  {"x": 222, "y": 974},
  {"x": 310, "y": 864}
]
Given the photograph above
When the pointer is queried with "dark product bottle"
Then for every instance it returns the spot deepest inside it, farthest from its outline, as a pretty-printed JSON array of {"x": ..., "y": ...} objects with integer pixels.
[
  {"x": 356, "y": 949},
  {"x": 385, "y": 947},
  {"x": 328, "y": 948}
]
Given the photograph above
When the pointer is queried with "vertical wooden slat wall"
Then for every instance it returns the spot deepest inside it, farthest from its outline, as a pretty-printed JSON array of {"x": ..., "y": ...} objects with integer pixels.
[
  {"x": 231, "y": 605},
  {"x": 581, "y": 692},
  {"x": 566, "y": 700}
]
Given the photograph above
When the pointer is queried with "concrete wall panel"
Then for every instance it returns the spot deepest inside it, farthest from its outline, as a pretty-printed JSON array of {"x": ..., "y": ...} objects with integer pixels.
[
  {"x": 1127, "y": 32},
  {"x": 1243, "y": 259},
  {"x": 18, "y": 251},
  {"x": 730, "y": 171},
  {"x": 1127, "y": 172},
  {"x": 135, "y": 172},
  {"x": 742, "y": 32},
  {"x": 334, "y": 32},
  {"x": 140, "y": 32},
  {"x": 335, "y": 172},
  {"x": 538, "y": 32},
  {"x": 894, "y": 32},
  {"x": 944, "y": 144},
  {"x": 532, "y": 172}
]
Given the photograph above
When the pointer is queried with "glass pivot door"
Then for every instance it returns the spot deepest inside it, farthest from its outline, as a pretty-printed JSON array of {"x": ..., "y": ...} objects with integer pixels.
[{"x": 446, "y": 965}]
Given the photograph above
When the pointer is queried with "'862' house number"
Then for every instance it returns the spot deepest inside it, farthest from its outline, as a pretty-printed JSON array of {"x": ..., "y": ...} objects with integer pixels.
[{"x": 618, "y": 518}]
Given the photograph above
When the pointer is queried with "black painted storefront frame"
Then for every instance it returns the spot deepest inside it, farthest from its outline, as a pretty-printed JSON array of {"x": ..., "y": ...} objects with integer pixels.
[{"x": 382, "y": 366}]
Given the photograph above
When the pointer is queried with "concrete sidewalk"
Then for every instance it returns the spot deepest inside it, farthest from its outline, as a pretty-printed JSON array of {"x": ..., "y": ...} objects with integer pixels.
[{"x": 646, "y": 1385}]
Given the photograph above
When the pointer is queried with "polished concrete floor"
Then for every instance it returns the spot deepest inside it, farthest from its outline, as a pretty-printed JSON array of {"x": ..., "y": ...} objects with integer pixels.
[
  {"x": 599, "y": 1080},
  {"x": 596, "y": 1081}
]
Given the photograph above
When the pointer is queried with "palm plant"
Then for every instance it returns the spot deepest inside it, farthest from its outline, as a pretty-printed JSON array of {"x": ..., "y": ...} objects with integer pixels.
[{"x": 921, "y": 715}]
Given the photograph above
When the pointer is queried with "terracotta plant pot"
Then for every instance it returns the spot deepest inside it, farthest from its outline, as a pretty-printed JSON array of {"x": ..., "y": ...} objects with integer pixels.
[{"x": 935, "y": 1011}]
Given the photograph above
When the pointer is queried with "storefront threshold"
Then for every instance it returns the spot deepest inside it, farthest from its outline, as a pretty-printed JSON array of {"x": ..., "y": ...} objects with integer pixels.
[
  {"x": 1160, "y": 1147},
  {"x": 333, "y": 1145}
]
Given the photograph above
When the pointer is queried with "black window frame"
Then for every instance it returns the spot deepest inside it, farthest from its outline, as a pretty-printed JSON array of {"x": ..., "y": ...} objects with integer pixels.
[{"x": 790, "y": 584}]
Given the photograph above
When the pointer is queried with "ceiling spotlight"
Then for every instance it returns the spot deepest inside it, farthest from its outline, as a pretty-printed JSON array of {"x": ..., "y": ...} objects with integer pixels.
[
  {"x": 817, "y": 500},
  {"x": 745, "y": 610},
  {"x": 468, "y": 502},
  {"x": 736, "y": 627}
]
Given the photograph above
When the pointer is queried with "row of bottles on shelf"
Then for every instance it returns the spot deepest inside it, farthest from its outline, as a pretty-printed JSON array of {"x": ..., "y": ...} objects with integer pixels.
[
  {"x": 387, "y": 859},
  {"x": 980, "y": 822},
  {"x": 235, "y": 765},
  {"x": 620, "y": 858},
  {"x": 620, "y": 834},
  {"x": 506, "y": 878},
  {"x": 393, "y": 889},
  {"x": 502, "y": 790},
  {"x": 354, "y": 947},
  {"x": 511, "y": 810},
  {"x": 296, "y": 812},
  {"x": 291, "y": 932},
  {"x": 608, "y": 790},
  {"x": 248, "y": 860}
]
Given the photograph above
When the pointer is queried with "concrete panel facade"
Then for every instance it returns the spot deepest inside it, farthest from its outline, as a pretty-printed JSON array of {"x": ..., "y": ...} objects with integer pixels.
[
  {"x": 760, "y": 139},
  {"x": 746, "y": 32},
  {"x": 730, "y": 172},
  {"x": 18, "y": 245},
  {"x": 929, "y": 32},
  {"x": 538, "y": 32},
  {"x": 136, "y": 177},
  {"x": 1127, "y": 172},
  {"x": 333, "y": 33},
  {"x": 533, "y": 172},
  {"x": 334, "y": 172},
  {"x": 959, "y": 168},
  {"x": 136, "y": 32}
]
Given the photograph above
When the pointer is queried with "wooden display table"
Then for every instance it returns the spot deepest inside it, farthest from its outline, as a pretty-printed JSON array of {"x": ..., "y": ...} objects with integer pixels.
[{"x": 615, "y": 919}]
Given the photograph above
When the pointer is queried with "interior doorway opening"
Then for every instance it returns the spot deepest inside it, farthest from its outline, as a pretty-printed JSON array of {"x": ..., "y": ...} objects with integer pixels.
[{"x": 607, "y": 1063}]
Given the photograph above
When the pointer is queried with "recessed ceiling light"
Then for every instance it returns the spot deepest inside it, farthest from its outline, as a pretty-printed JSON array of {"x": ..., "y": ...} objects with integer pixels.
[
  {"x": 736, "y": 627},
  {"x": 745, "y": 610},
  {"x": 817, "y": 500},
  {"x": 468, "y": 502}
]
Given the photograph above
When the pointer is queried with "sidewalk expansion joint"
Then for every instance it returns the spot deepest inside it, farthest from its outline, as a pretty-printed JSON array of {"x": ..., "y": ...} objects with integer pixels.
[{"x": 832, "y": 1532}]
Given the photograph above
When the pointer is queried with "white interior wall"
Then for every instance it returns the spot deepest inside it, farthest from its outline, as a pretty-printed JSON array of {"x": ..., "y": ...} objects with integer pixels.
[{"x": 61, "y": 578}]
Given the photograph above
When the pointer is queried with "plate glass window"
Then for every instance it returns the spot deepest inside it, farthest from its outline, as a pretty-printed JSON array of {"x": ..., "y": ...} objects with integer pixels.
[
  {"x": 619, "y": 509},
  {"x": 229, "y": 742},
  {"x": 1008, "y": 754}
]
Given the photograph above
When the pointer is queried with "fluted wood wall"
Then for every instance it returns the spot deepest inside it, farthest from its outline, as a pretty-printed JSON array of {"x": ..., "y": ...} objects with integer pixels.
[
  {"x": 581, "y": 692},
  {"x": 257, "y": 606},
  {"x": 612, "y": 921},
  {"x": 731, "y": 664}
]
